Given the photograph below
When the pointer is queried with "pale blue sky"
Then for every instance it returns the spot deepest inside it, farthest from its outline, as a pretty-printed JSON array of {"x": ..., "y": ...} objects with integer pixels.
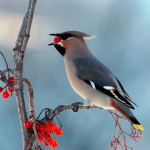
[{"x": 122, "y": 29}]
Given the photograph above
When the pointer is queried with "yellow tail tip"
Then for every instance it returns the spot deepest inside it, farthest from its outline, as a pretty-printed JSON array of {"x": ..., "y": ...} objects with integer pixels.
[{"x": 138, "y": 126}]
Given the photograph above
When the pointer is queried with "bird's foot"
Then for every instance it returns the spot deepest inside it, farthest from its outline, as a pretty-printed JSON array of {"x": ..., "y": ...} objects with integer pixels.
[
  {"x": 76, "y": 106},
  {"x": 93, "y": 106}
]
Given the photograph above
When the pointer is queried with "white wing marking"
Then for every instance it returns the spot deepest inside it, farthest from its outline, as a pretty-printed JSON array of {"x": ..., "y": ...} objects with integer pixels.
[
  {"x": 108, "y": 88},
  {"x": 93, "y": 85}
]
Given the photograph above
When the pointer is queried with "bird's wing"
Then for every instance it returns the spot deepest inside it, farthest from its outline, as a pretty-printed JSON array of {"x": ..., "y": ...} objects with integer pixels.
[
  {"x": 125, "y": 93},
  {"x": 99, "y": 77}
]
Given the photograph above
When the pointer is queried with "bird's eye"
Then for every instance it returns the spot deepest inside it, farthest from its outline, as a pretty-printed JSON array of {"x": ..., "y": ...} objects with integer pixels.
[{"x": 66, "y": 37}]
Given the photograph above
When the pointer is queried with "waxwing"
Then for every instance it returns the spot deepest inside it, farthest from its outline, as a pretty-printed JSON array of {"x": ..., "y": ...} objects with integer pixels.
[{"x": 89, "y": 78}]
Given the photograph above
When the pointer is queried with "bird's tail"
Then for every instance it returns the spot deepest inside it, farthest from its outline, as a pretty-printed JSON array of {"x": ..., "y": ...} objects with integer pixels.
[
  {"x": 136, "y": 123},
  {"x": 125, "y": 111}
]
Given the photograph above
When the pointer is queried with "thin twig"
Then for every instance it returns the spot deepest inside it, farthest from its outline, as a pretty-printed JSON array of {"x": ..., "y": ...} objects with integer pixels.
[
  {"x": 5, "y": 63},
  {"x": 31, "y": 106},
  {"x": 135, "y": 134},
  {"x": 30, "y": 142},
  {"x": 5, "y": 80}
]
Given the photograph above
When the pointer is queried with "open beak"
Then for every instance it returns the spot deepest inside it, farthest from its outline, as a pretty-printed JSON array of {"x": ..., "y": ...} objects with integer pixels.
[
  {"x": 57, "y": 39},
  {"x": 55, "y": 34},
  {"x": 51, "y": 44}
]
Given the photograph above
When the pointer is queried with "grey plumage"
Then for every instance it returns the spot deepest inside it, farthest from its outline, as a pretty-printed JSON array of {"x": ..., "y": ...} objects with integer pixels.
[
  {"x": 92, "y": 70},
  {"x": 92, "y": 80}
]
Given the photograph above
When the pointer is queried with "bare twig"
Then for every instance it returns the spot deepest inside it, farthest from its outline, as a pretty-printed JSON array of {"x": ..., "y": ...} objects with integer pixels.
[
  {"x": 30, "y": 141},
  {"x": 61, "y": 108},
  {"x": 18, "y": 55},
  {"x": 28, "y": 21},
  {"x": 31, "y": 106},
  {"x": 5, "y": 62},
  {"x": 120, "y": 133},
  {"x": 5, "y": 80}
]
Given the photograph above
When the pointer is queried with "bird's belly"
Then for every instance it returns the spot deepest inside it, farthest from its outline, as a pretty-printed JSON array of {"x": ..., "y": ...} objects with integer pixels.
[{"x": 91, "y": 95}]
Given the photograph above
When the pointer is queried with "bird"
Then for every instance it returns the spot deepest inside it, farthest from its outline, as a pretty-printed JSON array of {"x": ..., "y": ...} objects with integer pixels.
[{"x": 90, "y": 78}]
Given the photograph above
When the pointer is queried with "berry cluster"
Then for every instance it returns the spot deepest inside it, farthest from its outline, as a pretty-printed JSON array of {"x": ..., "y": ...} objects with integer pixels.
[
  {"x": 7, "y": 91},
  {"x": 44, "y": 132}
]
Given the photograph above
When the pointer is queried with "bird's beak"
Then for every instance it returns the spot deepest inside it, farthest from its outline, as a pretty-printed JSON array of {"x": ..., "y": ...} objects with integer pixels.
[
  {"x": 52, "y": 34},
  {"x": 55, "y": 34},
  {"x": 57, "y": 39},
  {"x": 51, "y": 44}
]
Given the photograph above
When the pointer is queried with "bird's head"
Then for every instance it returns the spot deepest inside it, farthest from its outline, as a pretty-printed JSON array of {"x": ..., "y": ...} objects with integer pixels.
[{"x": 68, "y": 40}]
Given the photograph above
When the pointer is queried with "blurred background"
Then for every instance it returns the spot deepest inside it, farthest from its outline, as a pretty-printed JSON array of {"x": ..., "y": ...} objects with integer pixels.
[{"x": 122, "y": 29}]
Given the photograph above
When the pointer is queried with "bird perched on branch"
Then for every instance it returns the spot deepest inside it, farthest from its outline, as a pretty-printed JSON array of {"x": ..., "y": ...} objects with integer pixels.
[{"x": 89, "y": 78}]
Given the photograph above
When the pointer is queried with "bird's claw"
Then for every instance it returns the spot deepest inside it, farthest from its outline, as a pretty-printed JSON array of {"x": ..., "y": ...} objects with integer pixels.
[{"x": 76, "y": 106}]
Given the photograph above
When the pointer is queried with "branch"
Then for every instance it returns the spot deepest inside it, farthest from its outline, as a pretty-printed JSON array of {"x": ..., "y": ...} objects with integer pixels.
[
  {"x": 119, "y": 134},
  {"x": 5, "y": 62},
  {"x": 24, "y": 32},
  {"x": 61, "y": 108},
  {"x": 31, "y": 106},
  {"x": 18, "y": 55},
  {"x": 5, "y": 80},
  {"x": 30, "y": 142}
]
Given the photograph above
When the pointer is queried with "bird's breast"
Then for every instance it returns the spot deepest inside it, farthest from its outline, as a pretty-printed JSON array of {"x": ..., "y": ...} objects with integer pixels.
[
  {"x": 94, "y": 97},
  {"x": 77, "y": 84}
]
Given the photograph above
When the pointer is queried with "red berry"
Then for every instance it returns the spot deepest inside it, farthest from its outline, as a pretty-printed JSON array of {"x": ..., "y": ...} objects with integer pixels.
[
  {"x": 57, "y": 39},
  {"x": 48, "y": 131},
  {"x": 1, "y": 89},
  {"x": 40, "y": 138},
  {"x": 50, "y": 140},
  {"x": 6, "y": 95},
  {"x": 10, "y": 90},
  {"x": 59, "y": 132},
  {"x": 51, "y": 126},
  {"x": 45, "y": 139},
  {"x": 45, "y": 143},
  {"x": 37, "y": 126},
  {"x": 55, "y": 144},
  {"x": 41, "y": 128},
  {"x": 11, "y": 80},
  {"x": 27, "y": 124}
]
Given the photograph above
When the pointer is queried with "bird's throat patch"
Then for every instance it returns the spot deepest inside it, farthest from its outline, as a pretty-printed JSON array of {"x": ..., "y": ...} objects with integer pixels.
[{"x": 60, "y": 49}]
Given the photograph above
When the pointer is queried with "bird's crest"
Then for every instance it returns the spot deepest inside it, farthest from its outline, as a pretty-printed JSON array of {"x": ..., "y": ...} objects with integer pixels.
[
  {"x": 75, "y": 34},
  {"x": 78, "y": 34}
]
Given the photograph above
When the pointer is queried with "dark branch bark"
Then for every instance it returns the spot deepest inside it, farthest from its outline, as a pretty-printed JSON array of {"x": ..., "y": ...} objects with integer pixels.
[
  {"x": 30, "y": 141},
  {"x": 31, "y": 107},
  {"x": 61, "y": 108},
  {"x": 18, "y": 55}
]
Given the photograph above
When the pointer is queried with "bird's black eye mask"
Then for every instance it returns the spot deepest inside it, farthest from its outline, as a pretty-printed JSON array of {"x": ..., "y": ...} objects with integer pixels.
[
  {"x": 62, "y": 36},
  {"x": 66, "y": 36}
]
